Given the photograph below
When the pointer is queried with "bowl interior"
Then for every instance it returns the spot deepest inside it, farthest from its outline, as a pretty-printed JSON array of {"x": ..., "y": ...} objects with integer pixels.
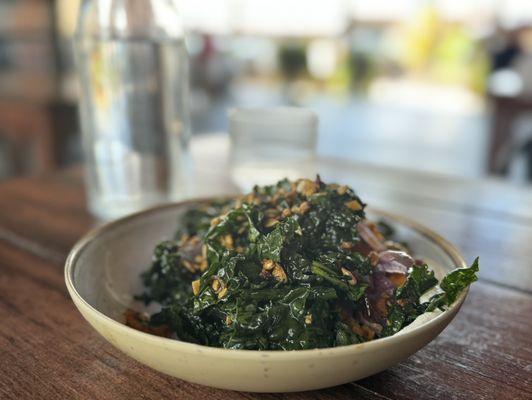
[{"x": 111, "y": 258}]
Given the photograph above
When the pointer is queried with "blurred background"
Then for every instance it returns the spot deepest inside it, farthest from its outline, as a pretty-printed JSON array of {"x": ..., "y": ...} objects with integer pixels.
[{"x": 435, "y": 85}]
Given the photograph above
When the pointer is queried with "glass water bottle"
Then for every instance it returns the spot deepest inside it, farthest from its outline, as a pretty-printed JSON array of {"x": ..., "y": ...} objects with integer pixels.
[{"x": 133, "y": 72}]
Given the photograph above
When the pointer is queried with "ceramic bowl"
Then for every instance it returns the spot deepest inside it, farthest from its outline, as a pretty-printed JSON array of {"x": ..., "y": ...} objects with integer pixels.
[{"x": 102, "y": 276}]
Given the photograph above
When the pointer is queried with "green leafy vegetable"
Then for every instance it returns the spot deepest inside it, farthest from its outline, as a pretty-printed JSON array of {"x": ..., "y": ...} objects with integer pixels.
[
  {"x": 419, "y": 281},
  {"x": 452, "y": 285},
  {"x": 285, "y": 268}
]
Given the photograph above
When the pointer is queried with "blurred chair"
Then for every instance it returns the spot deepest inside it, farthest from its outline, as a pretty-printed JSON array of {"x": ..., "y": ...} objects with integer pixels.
[
  {"x": 506, "y": 110},
  {"x": 510, "y": 97}
]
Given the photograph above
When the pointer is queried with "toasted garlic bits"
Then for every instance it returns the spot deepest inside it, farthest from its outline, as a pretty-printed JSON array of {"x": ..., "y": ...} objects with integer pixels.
[
  {"x": 307, "y": 187},
  {"x": 304, "y": 208},
  {"x": 286, "y": 213},
  {"x": 227, "y": 241},
  {"x": 196, "y": 287},
  {"x": 222, "y": 293},
  {"x": 269, "y": 222},
  {"x": 219, "y": 287},
  {"x": 279, "y": 274},
  {"x": 373, "y": 258},
  {"x": 349, "y": 274},
  {"x": 347, "y": 246},
  {"x": 216, "y": 285},
  {"x": 189, "y": 266},
  {"x": 341, "y": 190},
  {"x": 270, "y": 267},
  {"x": 353, "y": 205}
]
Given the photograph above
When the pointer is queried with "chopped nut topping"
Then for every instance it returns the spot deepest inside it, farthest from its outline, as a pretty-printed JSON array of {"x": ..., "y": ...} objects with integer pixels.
[
  {"x": 294, "y": 210},
  {"x": 373, "y": 227},
  {"x": 195, "y": 240},
  {"x": 373, "y": 258},
  {"x": 268, "y": 264},
  {"x": 290, "y": 196},
  {"x": 270, "y": 222},
  {"x": 227, "y": 241},
  {"x": 353, "y": 205},
  {"x": 349, "y": 274},
  {"x": 307, "y": 187},
  {"x": 203, "y": 265},
  {"x": 196, "y": 287},
  {"x": 308, "y": 319},
  {"x": 216, "y": 221},
  {"x": 222, "y": 293},
  {"x": 286, "y": 213},
  {"x": 402, "y": 302},
  {"x": 279, "y": 274},
  {"x": 183, "y": 239},
  {"x": 216, "y": 285},
  {"x": 189, "y": 266},
  {"x": 347, "y": 245},
  {"x": 293, "y": 186},
  {"x": 342, "y": 190},
  {"x": 273, "y": 268},
  {"x": 362, "y": 330},
  {"x": 249, "y": 198},
  {"x": 304, "y": 207}
]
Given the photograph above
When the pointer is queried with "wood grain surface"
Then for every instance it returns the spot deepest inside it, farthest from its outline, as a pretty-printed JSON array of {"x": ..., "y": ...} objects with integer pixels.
[{"x": 48, "y": 351}]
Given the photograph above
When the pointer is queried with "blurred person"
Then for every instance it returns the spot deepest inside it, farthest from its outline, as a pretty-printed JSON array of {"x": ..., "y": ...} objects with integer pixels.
[
  {"x": 503, "y": 48},
  {"x": 522, "y": 62},
  {"x": 212, "y": 69},
  {"x": 293, "y": 65}
]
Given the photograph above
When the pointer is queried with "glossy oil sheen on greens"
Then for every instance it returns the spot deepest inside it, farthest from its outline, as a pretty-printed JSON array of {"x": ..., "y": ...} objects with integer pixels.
[{"x": 285, "y": 268}]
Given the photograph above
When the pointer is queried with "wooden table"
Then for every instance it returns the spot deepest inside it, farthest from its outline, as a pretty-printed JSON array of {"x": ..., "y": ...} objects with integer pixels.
[{"x": 48, "y": 351}]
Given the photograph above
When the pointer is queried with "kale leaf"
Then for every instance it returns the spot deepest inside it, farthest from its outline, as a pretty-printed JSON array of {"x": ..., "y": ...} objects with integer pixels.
[
  {"x": 285, "y": 268},
  {"x": 452, "y": 285},
  {"x": 420, "y": 279}
]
